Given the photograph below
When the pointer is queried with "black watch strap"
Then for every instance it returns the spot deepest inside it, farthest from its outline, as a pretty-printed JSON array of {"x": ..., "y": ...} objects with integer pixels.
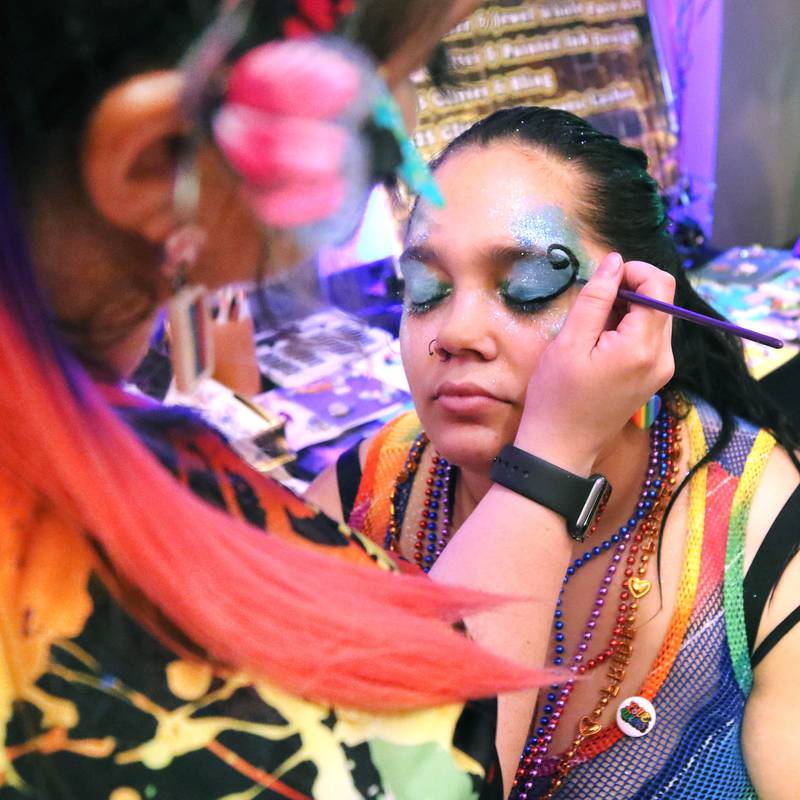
[{"x": 577, "y": 499}]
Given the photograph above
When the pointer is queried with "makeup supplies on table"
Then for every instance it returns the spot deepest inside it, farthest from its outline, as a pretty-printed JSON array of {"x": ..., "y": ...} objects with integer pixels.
[
  {"x": 758, "y": 287},
  {"x": 324, "y": 409},
  {"x": 252, "y": 430},
  {"x": 316, "y": 346},
  {"x": 236, "y": 365}
]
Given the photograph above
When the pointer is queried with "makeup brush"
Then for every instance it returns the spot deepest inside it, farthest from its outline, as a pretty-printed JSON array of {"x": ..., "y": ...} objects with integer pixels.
[{"x": 693, "y": 316}]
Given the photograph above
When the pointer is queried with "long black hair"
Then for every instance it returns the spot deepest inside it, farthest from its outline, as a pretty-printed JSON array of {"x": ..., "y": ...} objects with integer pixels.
[{"x": 624, "y": 210}]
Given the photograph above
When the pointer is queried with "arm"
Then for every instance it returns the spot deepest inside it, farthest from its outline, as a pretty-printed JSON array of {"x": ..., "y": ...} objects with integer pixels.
[
  {"x": 769, "y": 732},
  {"x": 324, "y": 489},
  {"x": 324, "y": 492},
  {"x": 586, "y": 368}
]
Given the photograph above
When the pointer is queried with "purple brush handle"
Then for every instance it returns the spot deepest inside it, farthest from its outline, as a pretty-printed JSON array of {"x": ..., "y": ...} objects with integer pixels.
[
  {"x": 693, "y": 316},
  {"x": 699, "y": 319}
]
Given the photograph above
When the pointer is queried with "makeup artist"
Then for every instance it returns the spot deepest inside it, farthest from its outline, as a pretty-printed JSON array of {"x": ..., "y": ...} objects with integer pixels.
[{"x": 687, "y": 682}]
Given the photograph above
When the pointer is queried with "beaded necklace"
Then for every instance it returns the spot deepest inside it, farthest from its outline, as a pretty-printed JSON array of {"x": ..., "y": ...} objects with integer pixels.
[
  {"x": 429, "y": 539},
  {"x": 656, "y": 491},
  {"x": 642, "y": 543}
]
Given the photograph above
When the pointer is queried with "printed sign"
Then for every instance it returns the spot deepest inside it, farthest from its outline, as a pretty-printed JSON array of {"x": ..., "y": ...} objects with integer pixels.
[{"x": 595, "y": 58}]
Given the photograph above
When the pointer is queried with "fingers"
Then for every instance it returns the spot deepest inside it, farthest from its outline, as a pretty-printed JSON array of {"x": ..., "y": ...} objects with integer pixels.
[
  {"x": 588, "y": 316},
  {"x": 645, "y": 333},
  {"x": 646, "y": 279},
  {"x": 639, "y": 339}
]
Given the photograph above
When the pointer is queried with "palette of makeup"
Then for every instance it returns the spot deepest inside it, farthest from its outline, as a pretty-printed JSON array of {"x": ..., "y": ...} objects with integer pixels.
[
  {"x": 322, "y": 410},
  {"x": 316, "y": 346}
]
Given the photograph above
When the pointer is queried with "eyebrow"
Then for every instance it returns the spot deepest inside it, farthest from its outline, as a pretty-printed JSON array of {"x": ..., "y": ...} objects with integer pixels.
[
  {"x": 420, "y": 253},
  {"x": 502, "y": 255},
  {"x": 499, "y": 257}
]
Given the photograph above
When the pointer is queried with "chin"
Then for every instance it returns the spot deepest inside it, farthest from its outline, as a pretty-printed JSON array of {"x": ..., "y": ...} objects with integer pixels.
[{"x": 469, "y": 446}]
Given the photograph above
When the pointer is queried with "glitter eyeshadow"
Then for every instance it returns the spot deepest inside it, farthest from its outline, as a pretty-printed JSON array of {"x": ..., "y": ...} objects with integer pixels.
[
  {"x": 538, "y": 277},
  {"x": 421, "y": 285},
  {"x": 538, "y": 229}
]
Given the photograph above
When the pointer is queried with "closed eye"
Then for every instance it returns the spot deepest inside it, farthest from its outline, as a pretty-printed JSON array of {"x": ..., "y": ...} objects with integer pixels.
[
  {"x": 538, "y": 277},
  {"x": 423, "y": 287}
]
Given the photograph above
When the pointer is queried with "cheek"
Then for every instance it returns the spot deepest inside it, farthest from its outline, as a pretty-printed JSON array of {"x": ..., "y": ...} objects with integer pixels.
[
  {"x": 529, "y": 331},
  {"x": 415, "y": 335},
  {"x": 552, "y": 321}
]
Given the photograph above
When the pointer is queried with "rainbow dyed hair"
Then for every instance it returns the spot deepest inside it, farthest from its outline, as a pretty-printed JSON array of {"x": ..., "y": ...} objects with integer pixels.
[{"x": 250, "y": 600}]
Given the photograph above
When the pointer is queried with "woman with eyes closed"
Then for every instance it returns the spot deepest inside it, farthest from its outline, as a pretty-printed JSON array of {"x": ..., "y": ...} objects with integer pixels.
[{"x": 681, "y": 682}]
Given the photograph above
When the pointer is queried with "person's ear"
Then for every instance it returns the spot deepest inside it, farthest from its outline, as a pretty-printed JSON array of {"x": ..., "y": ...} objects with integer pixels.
[{"x": 129, "y": 153}]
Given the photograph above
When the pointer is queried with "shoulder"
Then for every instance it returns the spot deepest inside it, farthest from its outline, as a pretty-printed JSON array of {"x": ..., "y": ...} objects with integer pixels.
[
  {"x": 324, "y": 489},
  {"x": 771, "y": 748},
  {"x": 778, "y": 480},
  {"x": 384, "y": 452}
]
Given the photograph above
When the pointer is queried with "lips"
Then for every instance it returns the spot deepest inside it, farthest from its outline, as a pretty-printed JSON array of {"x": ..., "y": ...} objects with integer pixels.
[
  {"x": 450, "y": 389},
  {"x": 465, "y": 399}
]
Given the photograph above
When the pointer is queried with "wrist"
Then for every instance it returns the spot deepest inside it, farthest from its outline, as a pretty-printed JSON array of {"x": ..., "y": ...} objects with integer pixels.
[
  {"x": 558, "y": 450},
  {"x": 575, "y": 497}
]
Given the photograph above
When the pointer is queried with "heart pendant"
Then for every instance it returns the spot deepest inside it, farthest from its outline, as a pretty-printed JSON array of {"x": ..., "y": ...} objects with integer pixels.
[
  {"x": 587, "y": 727},
  {"x": 638, "y": 587}
]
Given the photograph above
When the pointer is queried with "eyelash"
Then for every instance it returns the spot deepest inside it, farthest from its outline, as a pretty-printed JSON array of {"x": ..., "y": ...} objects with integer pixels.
[
  {"x": 526, "y": 308},
  {"x": 523, "y": 307},
  {"x": 428, "y": 305}
]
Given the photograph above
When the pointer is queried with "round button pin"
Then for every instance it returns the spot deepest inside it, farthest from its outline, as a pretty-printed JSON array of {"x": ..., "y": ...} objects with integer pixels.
[{"x": 636, "y": 716}]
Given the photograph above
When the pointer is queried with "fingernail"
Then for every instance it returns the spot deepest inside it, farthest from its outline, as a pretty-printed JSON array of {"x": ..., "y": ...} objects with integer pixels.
[{"x": 611, "y": 265}]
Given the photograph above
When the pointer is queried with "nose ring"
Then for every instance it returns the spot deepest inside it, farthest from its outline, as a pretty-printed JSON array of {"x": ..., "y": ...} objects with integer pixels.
[{"x": 435, "y": 349}]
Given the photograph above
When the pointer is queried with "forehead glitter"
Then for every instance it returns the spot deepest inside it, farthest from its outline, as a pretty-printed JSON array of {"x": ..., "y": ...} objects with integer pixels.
[{"x": 419, "y": 225}]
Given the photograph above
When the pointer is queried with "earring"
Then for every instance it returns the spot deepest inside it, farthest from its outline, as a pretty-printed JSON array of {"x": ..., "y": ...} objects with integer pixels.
[
  {"x": 191, "y": 342},
  {"x": 647, "y": 414}
]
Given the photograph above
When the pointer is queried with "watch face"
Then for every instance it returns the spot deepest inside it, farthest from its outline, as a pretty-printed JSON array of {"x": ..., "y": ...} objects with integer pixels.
[{"x": 598, "y": 494}]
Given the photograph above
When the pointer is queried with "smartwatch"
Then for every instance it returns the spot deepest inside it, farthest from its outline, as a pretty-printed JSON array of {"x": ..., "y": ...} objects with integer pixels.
[{"x": 575, "y": 498}]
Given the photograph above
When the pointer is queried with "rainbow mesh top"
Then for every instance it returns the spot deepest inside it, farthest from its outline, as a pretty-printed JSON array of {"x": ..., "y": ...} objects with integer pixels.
[{"x": 701, "y": 678}]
